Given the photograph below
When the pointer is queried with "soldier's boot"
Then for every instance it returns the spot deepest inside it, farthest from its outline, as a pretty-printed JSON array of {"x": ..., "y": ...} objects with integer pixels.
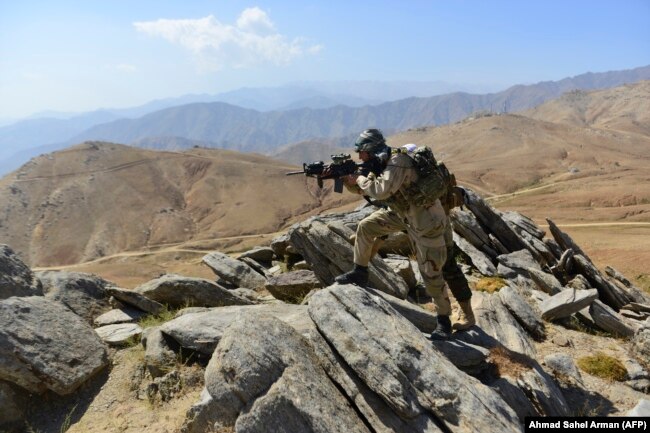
[
  {"x": 443, "y": 330},
  {"x": 465, "y": 318},
  {"x": 358, "y": 275}
]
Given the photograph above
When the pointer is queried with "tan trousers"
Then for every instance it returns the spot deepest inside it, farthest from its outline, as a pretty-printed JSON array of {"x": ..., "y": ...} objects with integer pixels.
[{"x": 431, "y": 252}]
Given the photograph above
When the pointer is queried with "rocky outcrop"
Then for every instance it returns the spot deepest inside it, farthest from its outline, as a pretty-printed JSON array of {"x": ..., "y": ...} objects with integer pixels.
[
  {"x": 397, "y": 363},
  {"x": 179, "y": 291},
  {"x": 16, "y": 279},
  {"x": 348, "y": 358},
  {"x": 330, "y": 254},
  {"x": 59, "y": 356}
]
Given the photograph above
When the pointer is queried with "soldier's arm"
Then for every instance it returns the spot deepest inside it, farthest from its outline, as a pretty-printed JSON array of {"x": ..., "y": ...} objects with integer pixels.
[{"x": 382, "y": 187}]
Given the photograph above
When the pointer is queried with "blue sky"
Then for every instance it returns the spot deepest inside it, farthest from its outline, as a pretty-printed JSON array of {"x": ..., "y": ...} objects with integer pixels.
[{"x": 83, "y": 55}]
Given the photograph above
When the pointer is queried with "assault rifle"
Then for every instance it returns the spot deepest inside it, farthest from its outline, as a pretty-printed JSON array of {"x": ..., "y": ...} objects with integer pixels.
[{"x": 342, "y": 165}]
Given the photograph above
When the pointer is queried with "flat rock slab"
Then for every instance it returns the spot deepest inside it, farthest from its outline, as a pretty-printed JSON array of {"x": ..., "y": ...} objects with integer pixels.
[
  {"x": 234, "y": 271},
  {"x": 609, "y": 320},
  {"x": 136, "y": 299},
  {"x": 567, "y": 302},
  {"x": 44, "y": 345},
  {"x": 180, "y": 291},
  {"x": 265, "y": 377},
  {"x": 402, "y": 367},
  {"x": 120, "y": 334},
  {"x": 125, "y": 315},
  {"x": 16, "y": 279},
  {"x": 202, "y": 331}
]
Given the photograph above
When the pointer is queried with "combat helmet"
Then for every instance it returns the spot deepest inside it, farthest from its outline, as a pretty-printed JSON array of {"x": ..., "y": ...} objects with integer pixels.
[{"x": 371, "y": 141}]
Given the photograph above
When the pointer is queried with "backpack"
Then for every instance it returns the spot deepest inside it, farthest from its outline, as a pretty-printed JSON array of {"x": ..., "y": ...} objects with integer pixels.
[{"x": 434, "y": 182}]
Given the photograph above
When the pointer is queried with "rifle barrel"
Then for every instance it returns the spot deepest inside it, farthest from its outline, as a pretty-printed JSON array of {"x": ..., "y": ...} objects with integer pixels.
[{"x": 295, "y": 172}]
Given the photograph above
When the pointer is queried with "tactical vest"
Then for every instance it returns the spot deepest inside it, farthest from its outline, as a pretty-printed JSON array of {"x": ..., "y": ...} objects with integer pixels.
[{"x": 434, "y": 182}]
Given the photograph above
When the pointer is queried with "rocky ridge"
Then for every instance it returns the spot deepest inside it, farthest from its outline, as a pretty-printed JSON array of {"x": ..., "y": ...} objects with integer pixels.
[{"x": 285, "y": 349}]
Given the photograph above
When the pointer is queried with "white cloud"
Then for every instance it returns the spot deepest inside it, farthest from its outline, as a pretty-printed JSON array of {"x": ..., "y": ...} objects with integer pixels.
[{"x": 252, "y": 40}]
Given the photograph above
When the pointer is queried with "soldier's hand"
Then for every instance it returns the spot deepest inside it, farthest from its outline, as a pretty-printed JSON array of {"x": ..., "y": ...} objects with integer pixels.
[{"x": 350, "y": 179}]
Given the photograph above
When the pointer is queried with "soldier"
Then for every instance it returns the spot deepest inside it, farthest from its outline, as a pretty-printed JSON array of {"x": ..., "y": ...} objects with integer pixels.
[{"x": 427, "y": 227}]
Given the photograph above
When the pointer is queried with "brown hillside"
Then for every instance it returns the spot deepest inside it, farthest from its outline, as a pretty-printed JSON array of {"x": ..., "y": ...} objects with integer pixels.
[
  {"x": 97, "y": 199},
  {"x": 556, "y": 170},
  {"x": 625, "y": 108}
]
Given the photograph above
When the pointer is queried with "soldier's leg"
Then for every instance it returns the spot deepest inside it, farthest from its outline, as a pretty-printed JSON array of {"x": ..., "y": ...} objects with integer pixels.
[
  {"x": 454, "y": 276},
  {"x": 374, "y": 226},
  {"x": 452, "y": 273},
  {"x": 431, "y": 256},
  {"x": 458, "y": 285},
  {"x": 369, "y": 232}
]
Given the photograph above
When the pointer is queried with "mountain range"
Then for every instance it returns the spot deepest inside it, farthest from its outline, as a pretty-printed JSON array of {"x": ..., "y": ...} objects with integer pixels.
[
  {"x": 97, "y": 199},
  {"x": 234, "y": 127}
]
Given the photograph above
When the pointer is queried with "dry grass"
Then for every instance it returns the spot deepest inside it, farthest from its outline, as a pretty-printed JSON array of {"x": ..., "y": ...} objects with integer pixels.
[
  {"x": 490, "y": 284},
  {"x": 603, "y": 366},
  {"x": 509, "y": 363}
]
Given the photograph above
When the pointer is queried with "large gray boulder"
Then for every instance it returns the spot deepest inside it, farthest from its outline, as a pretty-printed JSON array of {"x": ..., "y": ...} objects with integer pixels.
[
  {"x": 16, "y": 279},
  {"x": 523, "y": 312},
  {"x": 292, "y": 286},
  {"x": 43, "y": 345},
  {"x": 329, "y": 254},
  {"x": 480, "y": 260},
  {"x": 402, "y": 367},
  {"x": 566, "y": 303},
  {"x": 84, "y": 294},
  {"x": 375, "y": 411},
  {"x": 233, "y": 271},
  {"x": 264, "y": 376},
  {"x": 202, "y": 331},
  {"x": 179, "y": 291}
]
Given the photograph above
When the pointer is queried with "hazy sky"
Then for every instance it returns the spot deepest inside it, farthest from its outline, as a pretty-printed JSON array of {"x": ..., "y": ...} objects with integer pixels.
[{"x": 82, "y": 55}]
